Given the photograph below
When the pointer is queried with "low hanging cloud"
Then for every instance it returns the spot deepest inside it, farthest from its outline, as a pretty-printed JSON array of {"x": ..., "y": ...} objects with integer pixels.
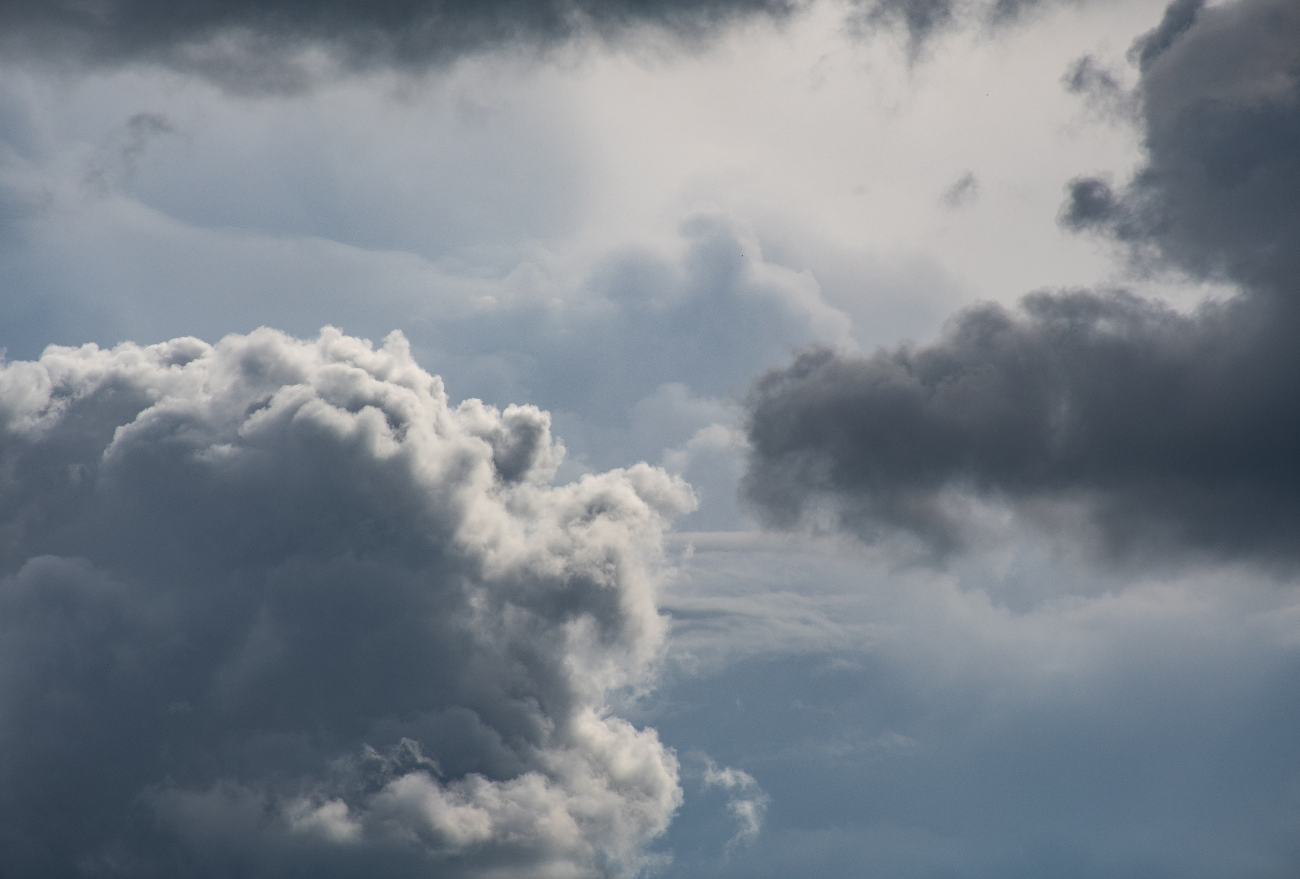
[
  {"x": 1169, "y": 430},
  {"x": 273, "y": 607},
  {"x": 286, "y": 45},
  {"x": 258, "y": 46}
]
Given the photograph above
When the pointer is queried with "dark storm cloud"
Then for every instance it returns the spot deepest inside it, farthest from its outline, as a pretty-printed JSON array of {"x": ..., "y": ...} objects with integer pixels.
[
  {"x": 1170, "y": 429},
  {"x": 273, "y": 608},
  {"x": 1178, "y": 17},
  {"x": 1220, "y": 192},
  {"x": 246, "y": 43},
  {"x": 258, "y": 46}
]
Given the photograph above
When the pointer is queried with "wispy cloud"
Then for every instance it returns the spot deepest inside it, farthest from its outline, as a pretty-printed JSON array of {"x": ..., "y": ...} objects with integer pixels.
[{"x": 746, "y": 801}]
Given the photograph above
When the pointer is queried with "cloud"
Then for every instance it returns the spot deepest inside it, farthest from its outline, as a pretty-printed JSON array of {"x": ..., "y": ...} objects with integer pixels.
[
  {"x": 119, "y": 160},
  {"x": 709, "y": 315},
  {"x": 746, "y": 800},
  {"x": 1169, "y": 430},
  {"x": 923, "y": 722},
  {"x": 287, "y": 46},
  {"x": 963, "y": 191},
  {"x": 273, "y": 606},
  {"x": 923, "y": 20},
  {"x": 1218, "y": 194},
  {"x": 1179, "y": 16},
  {"x": 256, "y": 46},
  {"x": 1102, "y": 90}
]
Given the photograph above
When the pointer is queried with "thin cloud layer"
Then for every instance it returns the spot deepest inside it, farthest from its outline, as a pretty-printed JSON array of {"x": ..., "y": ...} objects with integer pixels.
[
  {"x": 1170, "y": 430},
  {"x": 273, "y": 607}
]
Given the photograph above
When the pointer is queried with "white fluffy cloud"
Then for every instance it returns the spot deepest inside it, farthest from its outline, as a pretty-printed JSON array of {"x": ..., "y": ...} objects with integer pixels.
[{"x": 273, "y": 606}]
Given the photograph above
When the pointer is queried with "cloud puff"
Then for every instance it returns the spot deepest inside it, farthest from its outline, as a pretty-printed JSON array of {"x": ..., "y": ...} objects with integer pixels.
[
  {"x": 746, "y": 800},
  {"x": 273, "y": 607},
  {"x": 1219, "y": 191},
  {"x": 1169, "y": 430}
]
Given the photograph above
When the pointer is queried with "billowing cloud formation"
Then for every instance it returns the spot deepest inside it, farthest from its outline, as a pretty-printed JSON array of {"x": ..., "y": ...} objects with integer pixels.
[
  {"x": 272, "y": 607},
  {"x": 1169, "y": 429},
  {"x": 253, "y": 45},
  {"x": 1220, "y": 190}
]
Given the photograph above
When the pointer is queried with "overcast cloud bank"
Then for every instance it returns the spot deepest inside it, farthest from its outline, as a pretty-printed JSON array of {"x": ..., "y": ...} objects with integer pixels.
[
  {"x": 258, "y": 46},
  {"x": 288, "y": 45},
  {"x": 1170, "y": 430},
  {"x": 273, "y": 608}
]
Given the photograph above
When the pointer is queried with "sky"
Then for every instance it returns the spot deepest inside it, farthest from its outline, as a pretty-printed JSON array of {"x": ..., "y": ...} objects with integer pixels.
[{"x": 675, "y": 438}]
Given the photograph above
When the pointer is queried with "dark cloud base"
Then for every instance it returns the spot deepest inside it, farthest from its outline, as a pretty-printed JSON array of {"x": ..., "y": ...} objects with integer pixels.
[
  {"x": 1173, "y": 431},
  {"x": 255, "y": 46},
  {"x": 274, "y": 608},
  {"x": 250, "y": 45}
]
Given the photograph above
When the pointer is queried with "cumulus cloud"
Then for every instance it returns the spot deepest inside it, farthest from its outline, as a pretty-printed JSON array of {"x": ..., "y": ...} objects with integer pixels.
[
  {"x": 1168, "y": 429},
  {"x": 272, "y": 607},
  {"x": 1218, "y": 194}
]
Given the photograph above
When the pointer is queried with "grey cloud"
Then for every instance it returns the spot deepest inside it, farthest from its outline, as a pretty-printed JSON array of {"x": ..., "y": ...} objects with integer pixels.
[
  {"x": 1108, "y": 726},
  {"x": 964, "y": 190},
  {"x": 252, "y": 44},
  {"x": 119, "y": 158},
  {"x": 1170, "y": 430},
  {"x": 1102, "y": 89},
  {"x": 922, "y": 20},
  {"x": 918, "y": 18},
  {"x": 273, "y": 607},
  {"x": 709, "y": 318},
  {"x": 258, "y": 47},
  {"x": 1178, "y": 18},
  {"x": 1218, "y": 193}
]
